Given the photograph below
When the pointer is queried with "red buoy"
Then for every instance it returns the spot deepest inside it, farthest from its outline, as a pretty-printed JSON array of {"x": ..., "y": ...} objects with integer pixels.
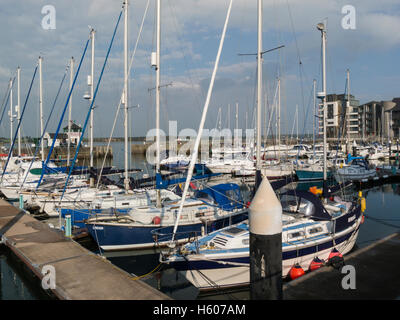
[
  {"x": 316, "y": 264},
  {"x": 296, "y": 271},
  {"x": 362, "y": 219},
  {"x": 156, "y": 220},
  {"x": 335, "y": 253},
  {"x": 248, "y": 204}
]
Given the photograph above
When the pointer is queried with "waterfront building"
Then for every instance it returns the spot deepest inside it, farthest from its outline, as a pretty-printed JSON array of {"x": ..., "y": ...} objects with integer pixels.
[
  {"x": 379, "y": 120},
  {"x": 371, "y": 121},
  {"x": 342, "y": 119},
  {"x": 74, "y": 134}
]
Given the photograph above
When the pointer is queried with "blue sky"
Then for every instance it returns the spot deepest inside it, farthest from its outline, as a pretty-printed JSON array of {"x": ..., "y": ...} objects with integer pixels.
[{"x": 190, "y": 37}]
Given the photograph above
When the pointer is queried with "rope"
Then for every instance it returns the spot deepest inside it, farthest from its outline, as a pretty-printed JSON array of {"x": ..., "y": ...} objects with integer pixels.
[
  {"x": 8, "y": 94},
  {"x": 147, "y": 274}
]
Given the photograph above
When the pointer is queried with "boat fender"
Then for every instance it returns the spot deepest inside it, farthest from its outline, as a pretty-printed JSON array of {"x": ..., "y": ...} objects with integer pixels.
[
  {"x": 363, "y": 204},
  {"x": 316, "y": 264},
  {"x": 335, "y": 259},
  {"x": 248, "y": 204},
  {"x": 296, "y": 272},
  {"x": 156, "y": 220},
  {"x": 336, "y": 262},
  {"x": 362, "y": 219}
]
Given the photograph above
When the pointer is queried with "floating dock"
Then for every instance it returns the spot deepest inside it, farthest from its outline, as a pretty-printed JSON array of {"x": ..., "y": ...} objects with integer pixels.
[
  {"x": 382, "y": 178},
  {"x": 376, "y": 276},
  {"x": 79, "y": 273}
]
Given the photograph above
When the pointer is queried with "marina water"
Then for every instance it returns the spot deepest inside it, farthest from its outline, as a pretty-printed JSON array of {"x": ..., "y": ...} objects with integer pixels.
[{"x": 382, "y": 219}]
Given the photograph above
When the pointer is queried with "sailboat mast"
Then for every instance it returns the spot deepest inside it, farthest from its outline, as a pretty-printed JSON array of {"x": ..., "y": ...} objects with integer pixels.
[
  {"x": 265, "y": 242},
  {"x": 348, "y": 111},
  {"x": 41, "y": 102},
  {"x": 92, "y": 32},
  {"x": 201, "y": 126},
  {"x": 321, "y": 27},
  {"x": 19, "y": 107},
  {"x": 158, "y": 96},
  {"x": 279, "y": 119},
  {"x": 297, "y": 123},
  {"x": 259, "y": 93},
  {"x": 71, "y": 80},
  {"x": 220, "y": 119},
  {"x": 314, "y": 112},
  {"x": 237, "y": 116},
  {"x": 11, "y": 112},
  {"x": 126, "y": 93}
]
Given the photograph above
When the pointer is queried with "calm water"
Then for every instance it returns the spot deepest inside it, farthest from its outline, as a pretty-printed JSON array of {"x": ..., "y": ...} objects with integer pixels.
[
  {"x": 15, "y": 284},
  {"x": 382, "y": 219}
]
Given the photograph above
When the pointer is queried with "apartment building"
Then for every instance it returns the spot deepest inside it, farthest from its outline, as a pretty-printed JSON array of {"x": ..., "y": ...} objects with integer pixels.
[{"x": 342, "y": 117}]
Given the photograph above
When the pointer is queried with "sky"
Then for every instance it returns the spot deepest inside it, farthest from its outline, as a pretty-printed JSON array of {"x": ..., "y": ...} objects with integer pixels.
[{"x": 190, "y": 36}]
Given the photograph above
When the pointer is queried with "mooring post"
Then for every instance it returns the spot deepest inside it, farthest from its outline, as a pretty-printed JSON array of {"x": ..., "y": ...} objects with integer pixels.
[
  {"x": 68, "y": 226},
  {"x": 21, "y": 201},
  {"x": 265, "y": 225}
]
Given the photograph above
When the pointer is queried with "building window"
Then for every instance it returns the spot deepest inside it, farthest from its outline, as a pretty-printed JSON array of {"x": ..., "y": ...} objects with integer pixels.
[{"x": 330, "y": 111}]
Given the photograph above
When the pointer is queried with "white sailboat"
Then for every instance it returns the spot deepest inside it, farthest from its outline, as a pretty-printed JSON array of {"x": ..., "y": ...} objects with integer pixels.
[
  {"x": 313, "y": 231},
  {"x": 210, "y": 208}
]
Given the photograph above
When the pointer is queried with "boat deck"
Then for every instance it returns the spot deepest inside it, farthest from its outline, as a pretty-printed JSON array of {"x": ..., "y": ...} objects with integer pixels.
[
  {"x": 79, "y": 273},
  {"x": 376, "y": 276}
]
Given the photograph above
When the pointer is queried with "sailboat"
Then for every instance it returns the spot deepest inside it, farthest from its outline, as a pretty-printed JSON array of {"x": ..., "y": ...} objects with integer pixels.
[
  {"x": 19, "y": 173},
  {"x": 357, "y": 169},
  {"x": 91, "y": 197},
  {"x": 208, "y": 209},
  {"x": 313, "y": 231}
]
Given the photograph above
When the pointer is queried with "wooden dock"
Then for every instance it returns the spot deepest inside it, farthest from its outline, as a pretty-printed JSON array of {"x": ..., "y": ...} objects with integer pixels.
[
  {"x": 79, "y": 273},
  {"x": 376, "y": 276}
]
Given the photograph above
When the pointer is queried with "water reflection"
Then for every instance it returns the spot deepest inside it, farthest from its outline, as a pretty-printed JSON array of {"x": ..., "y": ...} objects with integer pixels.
[{"x": 14, "y": 283}]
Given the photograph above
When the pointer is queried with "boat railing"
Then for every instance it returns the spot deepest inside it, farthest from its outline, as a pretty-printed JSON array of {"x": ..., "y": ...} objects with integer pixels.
[{"x": 164, "y": 236}]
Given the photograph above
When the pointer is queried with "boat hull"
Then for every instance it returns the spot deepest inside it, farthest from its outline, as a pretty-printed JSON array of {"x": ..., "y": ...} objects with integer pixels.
[
  {"x": 305, "y": 175},
  {"x": 111, "y": 236},
  {"x": 343, "y": 177},
  {"x": 233, "y": 270},
  {"x": 240, "y": 276}
]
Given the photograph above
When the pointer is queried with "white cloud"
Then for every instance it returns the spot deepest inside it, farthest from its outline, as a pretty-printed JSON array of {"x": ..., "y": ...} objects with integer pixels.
[{"x": 190, "y": 36}]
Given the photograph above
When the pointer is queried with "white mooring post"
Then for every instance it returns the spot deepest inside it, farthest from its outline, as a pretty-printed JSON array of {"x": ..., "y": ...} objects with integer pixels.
[{"x": 265, "y": 225}]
